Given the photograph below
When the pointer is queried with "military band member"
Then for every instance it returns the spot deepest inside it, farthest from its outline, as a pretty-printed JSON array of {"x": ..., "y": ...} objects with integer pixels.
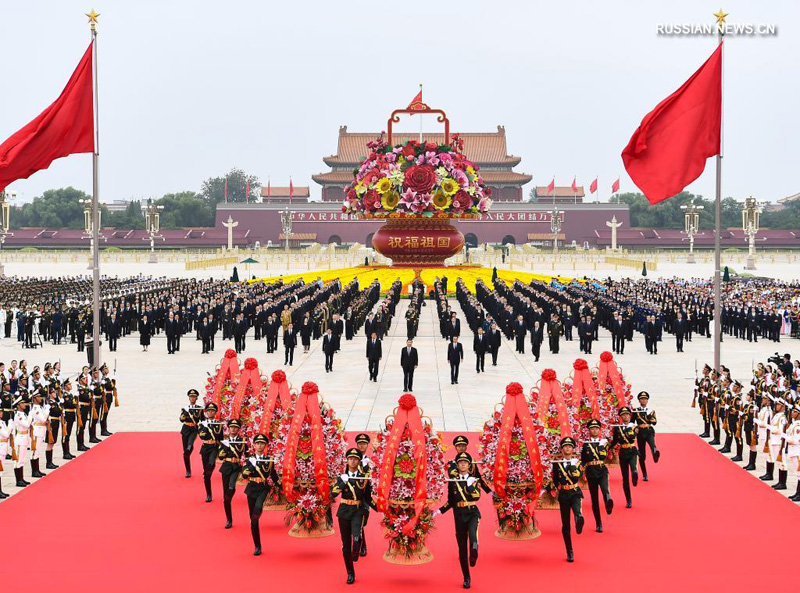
[
  {"x": 749, "y": 410},
  {"x": 210, "y": 433},
  {"x": 593, "y": 458},
  {"x": 362, "y": 444},
  {"x": 110, "y": 398},
  {"x": 231, "y": 451},
  {"x": 460, "y": 442},
  {"x": 190, "y": 418},
  {"x": 777, "y": 430},
  {"x": 624, "y": 435},
  {"x": 463, "y": 493},
  {"x": 262, "y": 478},
  {"x": 6, "y": 430},
  {"x": 84, "y": 410},
  {"x": 566, "y": 477},
  {"x": 70, "y": 409},
  {"x": 55, "y": 420},
  {"x": 703, "y": 386},
  {"x": 356, "y": 494},
  {"x": 39, "y": 414},
  {"x": 645, "y": 419},
  {"x": 792, "y": 451},
  {"x": 22, "y": 426}
]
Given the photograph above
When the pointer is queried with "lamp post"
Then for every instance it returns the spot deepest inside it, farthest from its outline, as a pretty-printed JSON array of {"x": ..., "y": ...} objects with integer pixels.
[
  {"x": 152, "y": 224},
  {"x": 286, "y": 225},
  {"x": 691, "y": 220},
  {"x": 88, "y": 228},
  {"x": 555, "y": 226},
  {"x": 751, "y": 212},
  {"x": 5, "y": 219}
]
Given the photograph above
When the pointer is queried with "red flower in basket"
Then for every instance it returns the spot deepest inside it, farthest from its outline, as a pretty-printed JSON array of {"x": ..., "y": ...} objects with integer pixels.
[
  {"x": 304, "y": 445},
  {"x": 409, "y": 150},
  {"x": 513, "y": 389},
  {"x": 580, "y": 365},
  {"x": 420, "y": 178},
  {"x": 548, "y": 375},
  {"x": 251, "y": 364},
  {"x": 514, "y": 448},
  {"x": 279, "y": 376},
  {"x": 406, "y": 466},
  {"x": 230, "y": 353},
  {"x": 606, "y": 357},
  {"x": 407, "y": 401},
  {"x": 310, "y": 387}
]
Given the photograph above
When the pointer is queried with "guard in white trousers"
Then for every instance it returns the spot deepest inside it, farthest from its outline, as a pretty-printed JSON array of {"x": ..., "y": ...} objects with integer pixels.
[
  {"x": 22, "y": 427},
  {"x": 40, "y": 415},
  {"x": 792, "y": 452},
  {"x": 776, "y": 428},
  {"x": 6, "y": 428}
]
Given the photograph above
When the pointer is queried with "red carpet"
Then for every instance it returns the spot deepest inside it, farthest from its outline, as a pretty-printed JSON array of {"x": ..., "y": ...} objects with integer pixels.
[{"x": 123, "y": 518}]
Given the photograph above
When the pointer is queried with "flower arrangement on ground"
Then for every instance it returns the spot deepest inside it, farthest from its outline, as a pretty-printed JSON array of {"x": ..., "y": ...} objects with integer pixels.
[
  {"x": 278, "y": 401},
  {"x": 221, "y": 387},
  {"x": 509, "y": 453},
  {"x": 408, "y": 477},
  {"x": 247, "y": 403},
  {"x": 583, "y": 394},
  {"x": 313, "y": 456},
  {"x": 417, "y": 179},
  {"x": 614, "y": 392}
]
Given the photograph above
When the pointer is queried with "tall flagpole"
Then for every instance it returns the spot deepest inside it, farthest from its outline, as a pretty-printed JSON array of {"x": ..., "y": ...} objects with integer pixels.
[
  {"x": 718, "y": 214},
  {"x": 95, "y": 201},
  {"x": 420, "y": 118}
]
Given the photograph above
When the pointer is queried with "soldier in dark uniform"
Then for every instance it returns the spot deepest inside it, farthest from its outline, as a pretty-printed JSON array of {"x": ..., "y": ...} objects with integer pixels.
[
  {"x": 749, "y": 410},
  {"x": 593, "y": 458},
  {"x": 463, "y": 493},
  {"x": 645, "y": 419},
  {"x": 713, "y": 403},
  {"x": 210, "y": 433},
  {"x": 362, "y": 444},
  {"x": 230, "y": 454},
  {"x": 109, "y": 392},
  {"x": 735, "y": 419},
  {"x": 566, "y": 477},
  {"x": 356, "y": 491},
  {"x": 84, "y": 411},
  {"x": 70, "y": 408},
  {"x": 262, "y": 478},
  {"x": 98, "y": 399},
  {"x": 460, "y": 443},
  {"x": 624, "y": 435},
  {"x": 703, "y": 390},
  {"x": 54, "y": 421},
  {"x": 190, "y": 419}
]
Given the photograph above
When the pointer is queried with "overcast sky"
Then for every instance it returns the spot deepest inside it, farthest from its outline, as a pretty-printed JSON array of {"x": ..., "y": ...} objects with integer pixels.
[{"x": 189, "y": 89}]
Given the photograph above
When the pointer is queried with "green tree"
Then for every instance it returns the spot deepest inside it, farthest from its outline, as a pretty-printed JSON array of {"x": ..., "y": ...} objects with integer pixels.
[
  {"x": 186, "y": 209},
  {"x": 55, "y": 208},
  {"x": 213, "y": 190},
  {"x": 130, "y": 218}
]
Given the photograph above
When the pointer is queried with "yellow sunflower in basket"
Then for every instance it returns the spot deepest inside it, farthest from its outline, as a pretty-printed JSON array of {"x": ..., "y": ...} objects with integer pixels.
[
  {"x": 441, "y": 201},
  {"x": 390, "y": 200},
  {"x": 450, "y": 186},
  {"x": 383, "y": 185}
]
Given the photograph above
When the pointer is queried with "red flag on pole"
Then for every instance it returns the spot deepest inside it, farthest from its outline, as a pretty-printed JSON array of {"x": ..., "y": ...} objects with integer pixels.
[
  {"x": 574, "y": 185},
  {"x": 226, "y": 190},
  {"x": 670, "y": 147},
  {"x": 417, "y": 100},
  {"x": 247, "y": 192},
  {"x": 269, "y": 189},
  {"x": 615, "y": 186},
  {"x": 593, "y": 186},
  {"x": 551, "y": 186},
  {"x": 64, "y": 128},
  {"x": 291, "y": 189}
]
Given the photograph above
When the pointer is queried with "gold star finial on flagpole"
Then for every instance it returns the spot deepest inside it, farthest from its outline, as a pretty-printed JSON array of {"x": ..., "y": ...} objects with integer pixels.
[
  {"x": 720, "y": 17},
  {"x": 93, "y": 18}
]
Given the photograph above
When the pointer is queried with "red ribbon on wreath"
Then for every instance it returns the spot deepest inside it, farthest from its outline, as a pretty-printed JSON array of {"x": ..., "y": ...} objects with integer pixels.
[
  {"x": 608, "y": 373},
  {"x": 228, "y": 369},
  {"x": 249, "y": 376},
  {"x": 516, "y": 406},
  {"x": 582, "y": 383},
  {"x": 277, "y": 392},
  {"x": 307, "y": 405},
  {"x": 406, "y": 415},
  {"x": 550, "y": 390}
]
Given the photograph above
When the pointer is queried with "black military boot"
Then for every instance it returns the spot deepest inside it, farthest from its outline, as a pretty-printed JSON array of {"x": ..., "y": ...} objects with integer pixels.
[
  {"x": 21, "y": 483},
  {"x": 363, "y": 544},
  {"x": 715, "y": 440},
  {"x": 93, "y": 434},
  {"x": 35, "y": 473},
  {"x": 726, "y": 448},
  {"x": 187, "y": 463},
  {"x": 796, "y": 496},
  {"x": 739, "y": 447},
  {"x": 767, "y": 477},
  {"x": 706, "y": 431},
  {"x": 81, "y": 445},
  {"x": 3, "y": 495},
  {"x": 782, "y": 476},
  {"x": 104, "y": 432},
  {"x": 48, "y": 455},
  {"x": 256, "y": 532},
  {"x": 752, "y": 464},
  {"x": 66, "y": 455}
]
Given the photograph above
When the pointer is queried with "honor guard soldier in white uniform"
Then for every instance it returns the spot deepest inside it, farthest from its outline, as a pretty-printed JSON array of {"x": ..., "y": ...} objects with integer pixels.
[
  {"x": 22, "y": 427},
  {"x": 792, "y": 452},
  {"x": 39, "y": 416},
  {"x": 6, "y": 430},
  {"x": 776, "y": 428}
]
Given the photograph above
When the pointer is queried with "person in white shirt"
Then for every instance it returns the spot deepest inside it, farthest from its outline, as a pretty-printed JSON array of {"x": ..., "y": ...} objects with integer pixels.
[
  {"x": 39, "y": 416},
  {"x": 792, "y": 453},
  {"x": 22, "y": 425},
  {"x": 6, "y": 428}
]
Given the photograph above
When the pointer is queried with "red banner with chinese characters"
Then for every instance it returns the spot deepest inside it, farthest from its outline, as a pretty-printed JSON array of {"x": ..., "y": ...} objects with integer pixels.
[
  {"x": 516, "y": 407},
  {"x": 277, "y": 394},
  {"x": 582, "y": 383},
  {"x": 307, "y": 405},
  {"x": 228, "y": 370},
  {"x": 550, "y": 390},
  {"x": 249, "y": 376},
  {"x": 608, "y": 373},
  {"x": 406, "y": 415}
]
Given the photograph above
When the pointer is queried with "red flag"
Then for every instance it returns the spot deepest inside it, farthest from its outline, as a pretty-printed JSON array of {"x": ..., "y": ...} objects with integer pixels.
[
  {"x": 247, "y": 192},
  {"x": 291, "y": 189},
  {"x": 416, "y": 100},
  {"x": 574, "y": 185},
  {"x": 551, "y": 186},
  {"x": 593, "y": 186},
  {"x": 615, "y": 186},
  {"x": 64, "y": 128},
  {"x": 670, "y": 147}
]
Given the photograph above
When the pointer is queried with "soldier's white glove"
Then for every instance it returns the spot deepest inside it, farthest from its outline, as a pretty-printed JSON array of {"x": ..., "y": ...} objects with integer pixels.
[
  {"x": 471, "y": 481},
  {"x": 436, "y": 513},
  {"x": 365, "y": 461},
  {"x": 344, "y": 478}
]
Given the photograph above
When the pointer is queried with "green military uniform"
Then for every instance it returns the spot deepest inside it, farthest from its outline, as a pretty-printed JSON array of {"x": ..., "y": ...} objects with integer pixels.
[
  {"x": 190, "y": 418},
  {"x": 624, "y": 436},
  {"x": 230, "y": 453},
  {"x": 210, "y": 433},
  {"x": 593, "y": 458},
  {"x": 463, "y": 493},
  {"x": 261, "y": 479},
  {"x": 70, "y": 408},
  {"x": 355, "y": 490},
  {"x": 645, "y": 419},
  {"x": 566, "y": 477}
]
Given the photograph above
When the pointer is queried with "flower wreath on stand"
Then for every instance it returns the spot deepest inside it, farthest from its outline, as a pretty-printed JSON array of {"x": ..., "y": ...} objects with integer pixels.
[
  {"x": 408, "y": 477},
  {"x": 248, "y": 400},
  {"x": 510, "y": 458},
  {"x": 222, "y": 385},
  {"x": 583, "y": 395},
  {"x": 558, "y": 418},
  {"x": 615, "y": 393},
  {"x": 312, "y": 458},
  {"x": 278, "y": 400}
]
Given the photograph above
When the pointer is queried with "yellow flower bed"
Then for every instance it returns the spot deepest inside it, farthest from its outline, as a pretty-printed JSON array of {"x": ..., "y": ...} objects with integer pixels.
[{"x": 386, "y": 275}]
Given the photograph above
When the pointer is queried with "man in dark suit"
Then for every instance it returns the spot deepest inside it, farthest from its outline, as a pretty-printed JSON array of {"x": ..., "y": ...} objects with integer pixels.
[
  {"x": 112, "y": 331},
  {"x": 289, "y": 344},
  {"x": 455, "y": 354},
  {"x": 170, "y": 328},
  {"x": 409, "y": 359},
  {"x": 618, "y": 334},
  {"x": 205, "y": 335},
  {"x": 537, "y": 337},
  {"x": 454, "y": 327},
  {"x": 589, "y": 332},
  {"x": 374, "y": 355},
  {"x": 519, "y": 332},
  {"x": 680, "y": 326},
  {"x": 480, "y": 344},
  {"x": 495, "y": 340},
  {"x": 329, "y": 348},
  {"x": 337, "y": 326}
]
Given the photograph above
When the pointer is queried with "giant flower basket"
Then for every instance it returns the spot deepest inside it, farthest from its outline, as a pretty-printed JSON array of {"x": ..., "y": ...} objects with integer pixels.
[
  {"x": 278, "y": 401},
  {"x": 509, "y": 449},
  {"x": 614, "y": 392},
  {"x": 312, "y": 458},
  {"x": 408, "y": 478},
  {"x": 247, "y": 403},
  {"x": 557, "y": 417},
  {"x": 418, "y": 187},
  {"x": 584, "y": 396},
  {"x": 221, "y": 386}
]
